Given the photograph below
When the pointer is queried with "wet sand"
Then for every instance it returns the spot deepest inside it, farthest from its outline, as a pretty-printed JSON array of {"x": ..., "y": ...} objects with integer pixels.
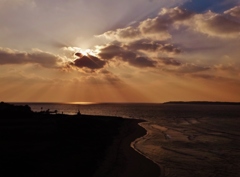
[
  {"x": 44, "y": 144},
  {"x": 194, "y": 147},
  {"x": 123, "y": 159}
]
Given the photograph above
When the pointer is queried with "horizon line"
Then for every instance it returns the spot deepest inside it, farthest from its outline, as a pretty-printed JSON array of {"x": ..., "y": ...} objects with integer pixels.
[{"x": 89, "y": 103}]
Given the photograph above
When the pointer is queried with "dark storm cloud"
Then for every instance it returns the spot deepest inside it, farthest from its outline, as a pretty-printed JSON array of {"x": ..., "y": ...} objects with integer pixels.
[
  {"x": 113, "y": 51},
  {"x": 8, "y": 56},
  {"x": 79, "y": 54},
  {"x": 128, "y": 55},
  {"x": 110, "y": 51},
  {"x": 144, "y": 44},
  {"x": 152, "y": 46},
  {"x": 90, "y": 62},
  {"x": 142, "y": 62},
  {"x": 168, "y": 48},
  {"x": 170, "y": 61}
]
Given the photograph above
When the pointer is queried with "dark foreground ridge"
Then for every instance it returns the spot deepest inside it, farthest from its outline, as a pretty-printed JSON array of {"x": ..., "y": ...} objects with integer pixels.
[
  {"x": 203, "y": 102},
  {"x": 37, "y": 144}
]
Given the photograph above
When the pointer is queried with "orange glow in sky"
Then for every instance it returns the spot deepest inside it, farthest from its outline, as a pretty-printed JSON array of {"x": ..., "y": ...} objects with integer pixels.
[{"x": 136, "y": 51}]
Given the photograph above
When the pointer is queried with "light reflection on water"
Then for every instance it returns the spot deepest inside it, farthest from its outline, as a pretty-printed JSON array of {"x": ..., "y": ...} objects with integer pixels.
[{"x": 185, "y": 140}]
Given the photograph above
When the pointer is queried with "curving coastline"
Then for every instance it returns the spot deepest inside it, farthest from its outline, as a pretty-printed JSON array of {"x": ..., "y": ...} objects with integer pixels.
[
  {"x": 123, "y": 160},
  {"x": 143, "y": 138},
  {"x": 51, "y": 144}
]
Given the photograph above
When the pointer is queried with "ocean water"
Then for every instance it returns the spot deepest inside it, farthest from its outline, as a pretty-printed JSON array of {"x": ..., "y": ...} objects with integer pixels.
[{"x": 200, "y": 140}]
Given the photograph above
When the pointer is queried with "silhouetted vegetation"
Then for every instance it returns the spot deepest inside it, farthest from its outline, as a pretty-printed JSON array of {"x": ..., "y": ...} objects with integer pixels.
[
  {"x": 203, "y": 102},
  {"x": 11, "y": 110},
  {"x": 37, "y": 144}
]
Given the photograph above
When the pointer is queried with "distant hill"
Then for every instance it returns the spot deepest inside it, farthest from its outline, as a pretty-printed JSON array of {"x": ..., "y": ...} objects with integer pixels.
[{"x": 203, "y": 102}]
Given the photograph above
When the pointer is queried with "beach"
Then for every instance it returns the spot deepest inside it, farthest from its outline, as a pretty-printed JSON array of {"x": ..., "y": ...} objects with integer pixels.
[
  {"x": 55, "y": 144},
  {"x": 123, "y": 159}
]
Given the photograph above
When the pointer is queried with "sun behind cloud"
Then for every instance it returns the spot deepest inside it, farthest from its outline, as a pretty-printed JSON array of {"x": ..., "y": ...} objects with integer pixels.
[{"x": 169, "y": 53}]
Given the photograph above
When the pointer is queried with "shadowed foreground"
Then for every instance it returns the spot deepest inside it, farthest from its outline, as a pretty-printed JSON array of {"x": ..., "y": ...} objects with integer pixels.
[{"x": 44, "y": 144}]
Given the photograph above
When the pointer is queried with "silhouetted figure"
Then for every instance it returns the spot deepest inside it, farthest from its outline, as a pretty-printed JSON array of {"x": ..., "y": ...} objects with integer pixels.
[
  {"x": 47, "y": 111},
  {"x": 78, "y": 113}
]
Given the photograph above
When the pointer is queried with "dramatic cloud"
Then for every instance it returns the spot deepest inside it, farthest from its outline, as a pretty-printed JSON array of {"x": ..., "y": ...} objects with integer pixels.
[
  {"x": 125, "y": 34},
  {"x": 175, "y": 14},
  {"x": 9, "y": 56},
  {"x": 170, "y": 61},
  {"x": 234, "y": 12},
  {"x": 113, "y": 51},
  {"x": 89, "y": 62},
  {"x": 216, "y": 25},
  {"x": 152, "y": 46},
  {"x": 168, "y": 48},
  {"x": 142, "y": 46},
  {"x": 159, "y": 28},
  {"x": 142, "y": 62},
  {"x": 153, "y": 28},
  {"x": 152, "y": 42},
  {"x": 147, "y": 45}
]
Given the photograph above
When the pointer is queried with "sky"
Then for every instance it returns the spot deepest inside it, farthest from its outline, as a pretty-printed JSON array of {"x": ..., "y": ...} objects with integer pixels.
[{"x": 149, "y": 51}]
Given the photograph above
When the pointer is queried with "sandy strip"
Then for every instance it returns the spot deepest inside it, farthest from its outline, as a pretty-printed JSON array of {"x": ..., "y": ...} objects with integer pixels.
[{"x": 122, "y": 160}]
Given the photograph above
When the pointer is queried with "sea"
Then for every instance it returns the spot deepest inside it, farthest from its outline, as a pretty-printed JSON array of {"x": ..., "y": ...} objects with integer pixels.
[{"x": 200, "y": 140}]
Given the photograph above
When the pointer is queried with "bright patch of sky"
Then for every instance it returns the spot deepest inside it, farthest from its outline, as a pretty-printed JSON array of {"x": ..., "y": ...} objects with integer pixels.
[{"x": 111, "y": 50}]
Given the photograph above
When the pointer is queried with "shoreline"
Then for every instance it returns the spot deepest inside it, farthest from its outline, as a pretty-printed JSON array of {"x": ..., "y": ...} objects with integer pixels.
[
  {"x": 133, "y": 145},
  {"x": 127, "y": 161},
  {"x": 36, "y": 144}
]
